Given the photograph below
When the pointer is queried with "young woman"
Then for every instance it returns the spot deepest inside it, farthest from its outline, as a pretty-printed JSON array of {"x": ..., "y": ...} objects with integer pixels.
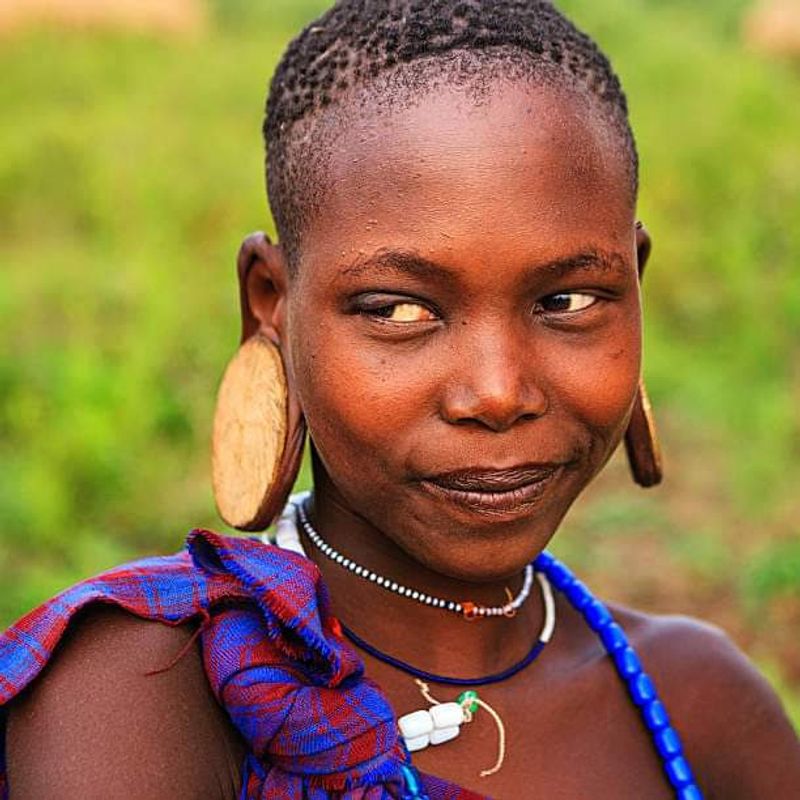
[{"x": 453, "y": 312}]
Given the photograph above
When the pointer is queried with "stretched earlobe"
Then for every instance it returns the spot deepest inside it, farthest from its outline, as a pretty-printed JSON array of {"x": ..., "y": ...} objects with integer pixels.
[
  {"x": 641, "y": 439},
  {"x": 641, "y": 443},
  {"x": 259, "y": 429},
  {"x": 644, "y": 246}
]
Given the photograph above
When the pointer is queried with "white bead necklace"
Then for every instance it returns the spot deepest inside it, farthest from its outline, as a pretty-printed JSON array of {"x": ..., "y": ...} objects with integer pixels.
[{"x": 467, "y": 609}]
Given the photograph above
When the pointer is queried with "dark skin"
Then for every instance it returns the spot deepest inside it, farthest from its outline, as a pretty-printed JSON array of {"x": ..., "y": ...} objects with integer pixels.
[{"x": 468, "y": 296}]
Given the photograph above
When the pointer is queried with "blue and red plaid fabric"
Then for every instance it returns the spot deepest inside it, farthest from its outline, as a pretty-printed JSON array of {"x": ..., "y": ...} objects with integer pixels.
[{"x": 315, "y": 725}]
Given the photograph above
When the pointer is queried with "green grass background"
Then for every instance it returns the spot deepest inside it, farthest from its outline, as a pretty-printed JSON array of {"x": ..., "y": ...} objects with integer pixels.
[{"x": 131, "y": 167}]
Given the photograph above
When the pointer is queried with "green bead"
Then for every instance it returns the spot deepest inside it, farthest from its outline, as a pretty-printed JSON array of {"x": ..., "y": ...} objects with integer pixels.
[{"x": 468, "y": 697}]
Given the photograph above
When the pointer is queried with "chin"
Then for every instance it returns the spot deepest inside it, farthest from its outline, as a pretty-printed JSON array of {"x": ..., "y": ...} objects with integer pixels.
[
  {"x": 492, "y": 551},
  {"x": 490, "y": 566},
  {"x": 484, "y": 539}
]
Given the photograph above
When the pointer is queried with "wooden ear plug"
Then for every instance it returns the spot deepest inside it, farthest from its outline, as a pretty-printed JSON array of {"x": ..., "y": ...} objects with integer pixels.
[
  {"x": 641, "y": 443},
  {"x": 258, "y": 437}
]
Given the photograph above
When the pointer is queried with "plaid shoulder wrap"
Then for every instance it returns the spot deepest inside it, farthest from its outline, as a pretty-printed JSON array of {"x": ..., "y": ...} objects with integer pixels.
[{"x": 315, "y": 725}]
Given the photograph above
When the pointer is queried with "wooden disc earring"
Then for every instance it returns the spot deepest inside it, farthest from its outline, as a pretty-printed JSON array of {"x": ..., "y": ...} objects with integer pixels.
[
  {"x": 258, "y": 438},
  {"x": 641, "y": 439},
  {"x": 641, "y": 442}
]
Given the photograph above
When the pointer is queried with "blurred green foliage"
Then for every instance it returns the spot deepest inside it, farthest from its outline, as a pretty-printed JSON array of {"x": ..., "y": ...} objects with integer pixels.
[{"x": 130, "y": 168}]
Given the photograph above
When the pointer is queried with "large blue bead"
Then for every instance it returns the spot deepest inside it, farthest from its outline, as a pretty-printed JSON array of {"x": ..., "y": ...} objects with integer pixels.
[
  {"x": 642, "y": 689},
  {"x": 691, "y": 792},
  {"x": 655, "y": 715},
  {"x": 628, "y": 664},
  {"x": 613, "y": 638},
  {"x": 579, "y": 595},
  {"x": 559, "y": 576},
  {"x": 597, "y": 615},
  {"x": 668, "y": 743},
  {"x": 678, "y": 772},
  {"x": 544, "y": 562}
]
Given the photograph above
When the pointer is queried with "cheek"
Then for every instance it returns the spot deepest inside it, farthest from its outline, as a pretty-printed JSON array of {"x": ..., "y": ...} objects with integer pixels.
[
  {"x": 356, "y": 403},
  {"x": 598, "y": 386}
]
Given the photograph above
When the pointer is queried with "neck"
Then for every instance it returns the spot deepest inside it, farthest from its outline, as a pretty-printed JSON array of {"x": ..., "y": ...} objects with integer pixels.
[{"x": 431, "y": 639}]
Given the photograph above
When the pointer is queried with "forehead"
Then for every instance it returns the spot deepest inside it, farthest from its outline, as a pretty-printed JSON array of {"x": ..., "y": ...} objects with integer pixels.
[{"x": 526, "y": 167}]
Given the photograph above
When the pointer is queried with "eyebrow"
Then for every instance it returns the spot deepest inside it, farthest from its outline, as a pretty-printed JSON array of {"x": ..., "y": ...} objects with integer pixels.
[
  {"x": 407, "y": 262},
  {"x": 388, "y": 261},
  {"x": 591, "y": 259}
]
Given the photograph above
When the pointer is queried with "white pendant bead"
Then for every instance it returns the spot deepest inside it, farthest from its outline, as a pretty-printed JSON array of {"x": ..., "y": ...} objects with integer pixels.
[
  {"x": 446, "y": 715},
  {"x": 417, "y": 743},
  {"x": 442, "y": 735},
  {"x": 415, "y": 724}
]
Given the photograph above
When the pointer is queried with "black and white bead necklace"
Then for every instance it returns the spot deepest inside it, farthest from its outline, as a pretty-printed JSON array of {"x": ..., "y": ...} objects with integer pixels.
[{"x": 465, "y": 608}]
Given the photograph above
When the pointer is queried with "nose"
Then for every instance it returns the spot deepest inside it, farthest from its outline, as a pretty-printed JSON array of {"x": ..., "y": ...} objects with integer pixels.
[{"x": 493, "y": 384}]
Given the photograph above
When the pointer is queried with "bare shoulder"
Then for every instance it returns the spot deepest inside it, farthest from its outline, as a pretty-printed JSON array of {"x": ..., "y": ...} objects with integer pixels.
[
  {"x": 98, "y": 723},
  {"x": 734, "y": 727}
]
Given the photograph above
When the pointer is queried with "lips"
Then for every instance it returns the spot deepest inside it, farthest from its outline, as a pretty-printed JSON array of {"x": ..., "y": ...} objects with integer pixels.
[{"x": 512, "y": 491}]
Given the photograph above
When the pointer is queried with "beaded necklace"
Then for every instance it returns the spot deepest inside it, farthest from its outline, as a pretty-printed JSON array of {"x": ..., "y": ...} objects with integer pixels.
[
  {"x": 640, "y": 686},
  {"x": 638, "y": 683},
  {"x": 466, "y": 608}
]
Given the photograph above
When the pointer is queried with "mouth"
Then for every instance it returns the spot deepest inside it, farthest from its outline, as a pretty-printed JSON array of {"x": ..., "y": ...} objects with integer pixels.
[{"x": 496, "y": 492}]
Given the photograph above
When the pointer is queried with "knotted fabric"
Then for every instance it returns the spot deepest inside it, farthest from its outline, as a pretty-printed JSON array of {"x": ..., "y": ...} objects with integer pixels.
[
  {"x": 296, "y": 692},
  {"x": 315, "y": 726}
]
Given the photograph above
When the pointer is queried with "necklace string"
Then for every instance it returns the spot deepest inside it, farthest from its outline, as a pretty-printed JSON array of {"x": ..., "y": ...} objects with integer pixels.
[
  {"x": 484, "y": 680},
  {"x": 467, "y": 703}
]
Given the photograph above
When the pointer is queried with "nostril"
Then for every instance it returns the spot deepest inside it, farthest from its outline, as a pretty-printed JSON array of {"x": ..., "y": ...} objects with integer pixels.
[
  {"x": 488, "y": 415},
  {"x": 498, "y": 410}
]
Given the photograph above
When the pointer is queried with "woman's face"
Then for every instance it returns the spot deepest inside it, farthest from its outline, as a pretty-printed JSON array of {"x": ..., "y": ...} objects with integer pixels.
[{"x": 464, "y": 329}]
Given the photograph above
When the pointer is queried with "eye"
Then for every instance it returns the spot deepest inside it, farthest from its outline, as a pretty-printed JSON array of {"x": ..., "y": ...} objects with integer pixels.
[
  {"x": 404, "y": 312},
  {"x": 566, "y": 302}
]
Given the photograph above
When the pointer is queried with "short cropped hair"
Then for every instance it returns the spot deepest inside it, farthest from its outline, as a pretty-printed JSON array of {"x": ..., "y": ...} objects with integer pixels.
[{"x": 357, "y": 43}]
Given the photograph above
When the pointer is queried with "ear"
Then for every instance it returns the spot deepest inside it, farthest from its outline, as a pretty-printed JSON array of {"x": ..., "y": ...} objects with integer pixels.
[
  {"x": 644, "y": 244},
  {"x": 263, "y": 283},
  {"x": 259, "y": 429}
]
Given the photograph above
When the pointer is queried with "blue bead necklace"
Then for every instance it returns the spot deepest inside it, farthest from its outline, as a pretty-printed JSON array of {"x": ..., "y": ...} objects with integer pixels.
[{"x": 639, "y": 684}]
